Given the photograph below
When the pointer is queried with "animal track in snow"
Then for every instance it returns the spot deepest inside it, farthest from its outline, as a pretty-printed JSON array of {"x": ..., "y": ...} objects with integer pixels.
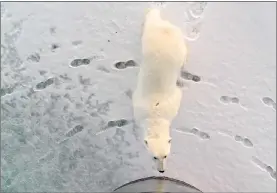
[
  {"x": 79, "y": 62},
  {"x": 5, "y": 91},
  {"x": 44, "y": 84},
  {"x": 85, "y": 61},
  {"x": 77, "y": 42},
  {"x": 194, "y": 131},
  {"x": 74, "y": 131},
  {"x": 197, "y": 9},
  {"x": 120, "y": 65},
  {"x": 188, "y": 76},
  {"x": 228, "y": 99},
  {"x": 193, "y": 19},
  {"x": 269, "y": 102},
  {"x": 112, "y": 124},
  {"x": 123, "y": 65},
  {"x": 264, "y": 167},
  {"x": 34, "y": 57},
  {"x": 238, "y": 138},
  {"x": 130, "y": 63},
  {"x": 193, "y": 31},
  {"x": 117, "y": 123},
  {"x": 244, "y": 140}
]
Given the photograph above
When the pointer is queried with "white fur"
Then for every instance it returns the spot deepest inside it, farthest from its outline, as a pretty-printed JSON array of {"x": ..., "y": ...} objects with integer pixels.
[{"x": 156, "y": 100}]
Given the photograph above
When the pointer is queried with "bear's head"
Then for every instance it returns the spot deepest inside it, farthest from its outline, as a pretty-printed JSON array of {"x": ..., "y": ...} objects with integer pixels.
[{"x": 159, "y": 147}]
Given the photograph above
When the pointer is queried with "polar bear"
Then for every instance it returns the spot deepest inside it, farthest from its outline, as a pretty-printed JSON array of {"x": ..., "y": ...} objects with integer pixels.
[{"x": 156, "y": 99}]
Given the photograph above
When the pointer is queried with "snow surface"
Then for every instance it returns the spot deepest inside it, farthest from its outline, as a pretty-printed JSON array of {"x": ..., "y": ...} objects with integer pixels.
[{"x": 66, "y": 114}]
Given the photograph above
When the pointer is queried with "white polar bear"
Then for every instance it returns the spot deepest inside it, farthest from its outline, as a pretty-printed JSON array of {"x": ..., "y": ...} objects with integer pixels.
[{"x": 156, "y": 99}]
